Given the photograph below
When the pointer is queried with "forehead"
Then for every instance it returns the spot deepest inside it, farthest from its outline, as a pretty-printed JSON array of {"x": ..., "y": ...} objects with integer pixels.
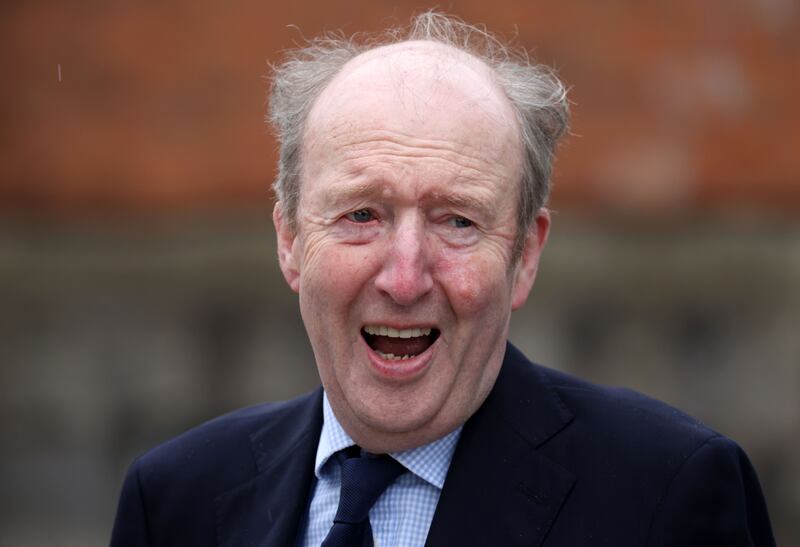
[{"x": 421, "y": 90}]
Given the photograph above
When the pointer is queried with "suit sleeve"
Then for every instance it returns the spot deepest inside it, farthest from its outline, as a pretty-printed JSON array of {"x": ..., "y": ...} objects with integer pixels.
[
  {"x": 713, "y": 500},
  {"x": 130, "y": 525}
]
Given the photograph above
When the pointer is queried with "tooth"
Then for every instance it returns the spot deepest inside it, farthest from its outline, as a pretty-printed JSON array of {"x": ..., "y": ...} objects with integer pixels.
[{"x": 391, "y": 332}]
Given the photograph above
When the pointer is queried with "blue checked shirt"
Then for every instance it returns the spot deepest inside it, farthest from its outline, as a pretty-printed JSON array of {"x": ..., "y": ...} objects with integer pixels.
[{"x": 403, "y": 513}]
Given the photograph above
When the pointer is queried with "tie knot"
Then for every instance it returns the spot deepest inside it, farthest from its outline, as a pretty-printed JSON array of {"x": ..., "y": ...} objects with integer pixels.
[{"x": 364, "y": 478}]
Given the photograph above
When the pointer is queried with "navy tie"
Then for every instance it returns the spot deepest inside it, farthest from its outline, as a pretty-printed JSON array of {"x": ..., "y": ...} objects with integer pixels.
[{"x": 364, "y": 478}]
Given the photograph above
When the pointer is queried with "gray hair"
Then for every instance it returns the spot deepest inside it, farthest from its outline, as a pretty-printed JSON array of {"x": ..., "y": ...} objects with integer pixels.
[{"x": 537, "y": 96}]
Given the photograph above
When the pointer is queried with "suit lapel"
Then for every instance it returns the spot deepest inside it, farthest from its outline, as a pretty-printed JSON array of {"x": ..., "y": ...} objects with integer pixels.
[
  {"x": 499, "y": 489},
  {"x": 268, "y": 509}
]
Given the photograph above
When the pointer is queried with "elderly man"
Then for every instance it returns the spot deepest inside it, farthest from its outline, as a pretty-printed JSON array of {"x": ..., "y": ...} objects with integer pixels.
[{"x": 410, "y": 221}]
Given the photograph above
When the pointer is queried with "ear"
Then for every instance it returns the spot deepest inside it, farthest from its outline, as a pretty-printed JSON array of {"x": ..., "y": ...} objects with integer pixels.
[
  {"x": 286, "y": 248},
  {"x": 529, "y": 261}
]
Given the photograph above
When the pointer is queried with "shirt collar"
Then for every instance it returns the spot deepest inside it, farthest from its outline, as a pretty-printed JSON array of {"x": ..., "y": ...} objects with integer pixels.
[{"x": 429, "y": 462}]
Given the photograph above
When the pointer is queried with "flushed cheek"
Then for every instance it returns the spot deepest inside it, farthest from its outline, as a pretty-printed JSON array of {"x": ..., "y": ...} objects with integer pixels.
[{"x": 472, "y": 284}]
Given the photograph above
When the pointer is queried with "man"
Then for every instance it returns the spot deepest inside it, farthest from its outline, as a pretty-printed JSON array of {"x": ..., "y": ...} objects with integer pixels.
[{"x": 410, "y": 221}]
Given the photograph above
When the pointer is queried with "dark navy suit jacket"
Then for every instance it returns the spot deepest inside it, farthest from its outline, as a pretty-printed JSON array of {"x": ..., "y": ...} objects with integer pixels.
[{"x": 547, "y": 460}]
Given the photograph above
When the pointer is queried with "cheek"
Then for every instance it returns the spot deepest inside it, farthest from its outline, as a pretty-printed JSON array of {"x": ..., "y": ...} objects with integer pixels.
[
  {"x": 334, "y": 272},
  {"x": 473, "y": 283}
]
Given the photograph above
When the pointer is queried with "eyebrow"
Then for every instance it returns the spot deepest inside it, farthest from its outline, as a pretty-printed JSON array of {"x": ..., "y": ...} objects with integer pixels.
[
  {"x": 351, "y": 193},
  {"x": 459, "y": 200}
]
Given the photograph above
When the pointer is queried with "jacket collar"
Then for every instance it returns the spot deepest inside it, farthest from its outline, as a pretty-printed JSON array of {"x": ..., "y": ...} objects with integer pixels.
[
  {"x": 500, "y": 490},
  {"x": 268, "y": 510}
]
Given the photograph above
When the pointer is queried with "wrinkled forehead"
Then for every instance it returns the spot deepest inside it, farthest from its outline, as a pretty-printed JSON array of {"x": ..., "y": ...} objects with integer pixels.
[{"x": 423, "y": 89}]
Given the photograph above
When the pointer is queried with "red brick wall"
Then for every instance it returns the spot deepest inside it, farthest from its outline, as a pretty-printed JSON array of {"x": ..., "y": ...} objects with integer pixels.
[{"x": 679, "y": 107}]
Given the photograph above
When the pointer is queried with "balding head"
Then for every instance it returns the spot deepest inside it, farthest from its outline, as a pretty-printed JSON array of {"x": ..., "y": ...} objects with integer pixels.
[{"x": 420, "y": 72}]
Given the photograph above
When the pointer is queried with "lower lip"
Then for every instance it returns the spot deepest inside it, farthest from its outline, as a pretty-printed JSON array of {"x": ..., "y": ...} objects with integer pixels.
[{"x": 404, "y": 370}]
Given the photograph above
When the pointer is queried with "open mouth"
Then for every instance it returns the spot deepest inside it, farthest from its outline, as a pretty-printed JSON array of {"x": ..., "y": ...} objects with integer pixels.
[{"x": 398, "y": 344}]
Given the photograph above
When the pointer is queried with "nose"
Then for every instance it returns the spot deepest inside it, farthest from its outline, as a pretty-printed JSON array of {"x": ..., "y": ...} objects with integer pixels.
[{"x": 405, "y": 274}]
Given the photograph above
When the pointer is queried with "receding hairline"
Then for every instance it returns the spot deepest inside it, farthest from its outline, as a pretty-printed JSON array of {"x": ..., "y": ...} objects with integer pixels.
[
  {"x": 435, "y": 54},
  {"x": 430, "y": 48}
]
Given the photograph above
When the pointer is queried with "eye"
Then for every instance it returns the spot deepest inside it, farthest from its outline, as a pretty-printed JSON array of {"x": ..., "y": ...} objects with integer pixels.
[
  {"x": 361, "y": 216},
  {"x": 460, "y": 222}
]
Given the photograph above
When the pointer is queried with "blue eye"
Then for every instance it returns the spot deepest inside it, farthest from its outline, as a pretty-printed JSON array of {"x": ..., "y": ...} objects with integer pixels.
[
  {"x": 460, "y": 222},
  {"x": 361, "y": 216}
]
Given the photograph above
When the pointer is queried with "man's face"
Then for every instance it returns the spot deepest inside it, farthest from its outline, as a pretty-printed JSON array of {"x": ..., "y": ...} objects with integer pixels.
[{"x": 402, "y": 255}]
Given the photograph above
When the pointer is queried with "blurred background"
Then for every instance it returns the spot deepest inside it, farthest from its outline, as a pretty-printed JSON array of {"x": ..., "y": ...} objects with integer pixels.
[{"x": 139, "y": 288}]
